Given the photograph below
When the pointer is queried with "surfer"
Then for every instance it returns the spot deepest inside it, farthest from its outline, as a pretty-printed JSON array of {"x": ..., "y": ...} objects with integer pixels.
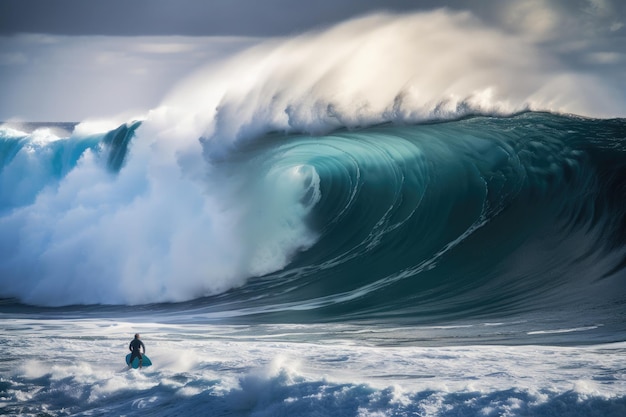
[{"x": 134, "y": 347}]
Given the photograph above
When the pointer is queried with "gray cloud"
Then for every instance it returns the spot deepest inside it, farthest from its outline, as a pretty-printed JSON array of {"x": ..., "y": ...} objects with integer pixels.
[
  {"x": 283, "y": 17},
  {"x": 186, "y": 17}
]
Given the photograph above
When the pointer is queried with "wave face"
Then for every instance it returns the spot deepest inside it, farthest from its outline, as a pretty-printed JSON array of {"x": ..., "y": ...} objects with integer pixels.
[
  {"x": 484, "y": 215},
  {"x": 474, "y": 216}
]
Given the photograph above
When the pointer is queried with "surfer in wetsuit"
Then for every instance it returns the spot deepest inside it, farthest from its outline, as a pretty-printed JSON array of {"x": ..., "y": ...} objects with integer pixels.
[{"x": 134, "y": 347}]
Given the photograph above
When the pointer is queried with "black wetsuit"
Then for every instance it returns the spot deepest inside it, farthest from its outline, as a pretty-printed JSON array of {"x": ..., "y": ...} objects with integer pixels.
[{"x": 134, "y": 346}]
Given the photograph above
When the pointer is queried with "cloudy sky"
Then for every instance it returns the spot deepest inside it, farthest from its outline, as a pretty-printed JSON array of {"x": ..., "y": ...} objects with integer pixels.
[
  {"x": 192, "y": 17},
  {"x": 66, "y": 60}
]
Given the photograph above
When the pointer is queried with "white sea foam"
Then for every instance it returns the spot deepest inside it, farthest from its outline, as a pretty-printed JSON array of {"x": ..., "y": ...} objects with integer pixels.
[{"x": 234, "y": 369}]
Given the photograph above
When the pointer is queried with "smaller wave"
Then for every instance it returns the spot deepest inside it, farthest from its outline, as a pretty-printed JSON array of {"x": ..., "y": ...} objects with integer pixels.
[{"x": 36, "y": 156}]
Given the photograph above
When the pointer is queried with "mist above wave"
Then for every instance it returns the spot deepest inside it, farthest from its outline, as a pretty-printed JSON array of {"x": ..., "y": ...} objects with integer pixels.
[{"x": 390, "y": 68}]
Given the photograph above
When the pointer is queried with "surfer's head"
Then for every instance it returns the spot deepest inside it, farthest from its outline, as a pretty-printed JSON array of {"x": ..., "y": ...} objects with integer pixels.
[{"x": 136, "y": 335}]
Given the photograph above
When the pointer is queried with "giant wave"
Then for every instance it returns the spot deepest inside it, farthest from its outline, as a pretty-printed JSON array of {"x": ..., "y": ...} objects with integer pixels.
[
  {"x": 473, "y": 216},
  {"x": 428, "y": 184}
]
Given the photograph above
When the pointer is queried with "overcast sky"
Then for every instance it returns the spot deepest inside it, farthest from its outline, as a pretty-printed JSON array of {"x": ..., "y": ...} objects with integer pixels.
[
  {"x": 64, "y": 60},
  {"x": 192, "y": 17}
]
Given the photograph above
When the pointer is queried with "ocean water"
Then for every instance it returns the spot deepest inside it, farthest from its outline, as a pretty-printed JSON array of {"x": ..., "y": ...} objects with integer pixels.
[{"x": 286, "y": 247}]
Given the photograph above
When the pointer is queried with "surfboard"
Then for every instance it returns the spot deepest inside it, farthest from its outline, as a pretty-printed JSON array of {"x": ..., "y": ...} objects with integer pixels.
[{"x": 135, "y": 364}]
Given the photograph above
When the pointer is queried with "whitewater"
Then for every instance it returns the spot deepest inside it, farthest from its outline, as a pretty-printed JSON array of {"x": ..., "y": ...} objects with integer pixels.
[{"x": 413, "y": 215}]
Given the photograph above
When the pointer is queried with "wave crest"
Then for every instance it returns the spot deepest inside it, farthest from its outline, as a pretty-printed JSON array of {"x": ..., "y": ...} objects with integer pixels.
[{"x": 381, "y": 68}]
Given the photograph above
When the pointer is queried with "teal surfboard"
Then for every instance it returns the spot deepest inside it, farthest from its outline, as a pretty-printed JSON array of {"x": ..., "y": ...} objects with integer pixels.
[{"x": 135, "y": 364}]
